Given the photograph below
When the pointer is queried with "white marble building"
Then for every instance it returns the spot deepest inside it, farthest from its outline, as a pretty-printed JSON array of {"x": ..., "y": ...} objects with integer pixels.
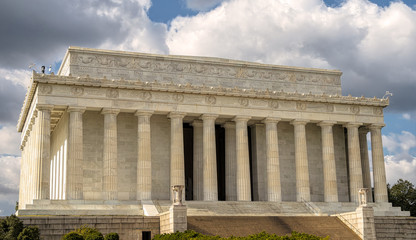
[{"x": 112, "y": 130}]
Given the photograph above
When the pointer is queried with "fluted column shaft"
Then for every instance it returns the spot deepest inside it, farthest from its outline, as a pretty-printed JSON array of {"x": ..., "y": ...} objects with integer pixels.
[
  {"x": 301, "y": 159},
  {"x": 44, "y": 148},
  {"x": 328, "y": 160},
  {"x": 355, "y": 170},
  {"x": 230, "y": 162},
  {"x": 144, "y": 156},
  {"x": 198, "y": 170},
  {"x": 365, "y": 163},
  {"x": 379, "y": 170},
  {"x": 274, "y": 189},
  {"x": 110, "y": 154},
  {"x": 75, "y": 154},
  {"x": 177, "y": 165},
  {"x": 210, "y": 158},
  {"x": 243, "y": 161}
]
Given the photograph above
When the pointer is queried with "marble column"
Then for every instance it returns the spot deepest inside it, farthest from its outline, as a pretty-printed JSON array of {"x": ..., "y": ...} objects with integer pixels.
[
  {"x": 243, "y": 161},
  {"x": 301, "y": 158},
  {"x": 75, "y": 154},
  {"x": 274, "y": 190},
  {"x": 177, "y": 164},
  {"x": 198, "y": 161},
  {"x": 354, "y": 158},
  {"x": 365, "y": 163},
  {"x": 210, "y": 158},
  {"x": 328, "y": 160},
  {"x": 110, "y": 154},
  {"x": 144, "y": 156},
  {"x": 230, "y": 162},
  {"x": 44, "y": 149},
  {"x": 379, "y": 170}
]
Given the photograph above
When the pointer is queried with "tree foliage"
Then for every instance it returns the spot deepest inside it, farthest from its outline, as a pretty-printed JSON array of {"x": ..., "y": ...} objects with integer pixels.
[
  {"x": 403, "y": 194},
  {"x": 10, "y": 228}
]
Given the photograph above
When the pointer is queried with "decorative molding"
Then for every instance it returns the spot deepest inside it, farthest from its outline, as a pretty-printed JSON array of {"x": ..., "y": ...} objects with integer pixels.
[
  {"x": 146, "y": 95},
  {"x": 378, "y": 111},
  {"x": 300, "y": 105},
  {"x": 329, "y": 107}
]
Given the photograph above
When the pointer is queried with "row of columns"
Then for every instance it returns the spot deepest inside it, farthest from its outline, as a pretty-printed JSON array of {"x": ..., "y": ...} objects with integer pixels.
[{"x": 205, "y": 168}]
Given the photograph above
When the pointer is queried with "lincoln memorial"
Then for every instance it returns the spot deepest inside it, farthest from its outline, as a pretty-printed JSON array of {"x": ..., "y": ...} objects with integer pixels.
[{"x": 112, "y": 132}]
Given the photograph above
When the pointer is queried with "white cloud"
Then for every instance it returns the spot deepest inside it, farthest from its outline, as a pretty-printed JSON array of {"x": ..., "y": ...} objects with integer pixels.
[
  {"x": 406, "y": 116},
  {"x": 374, "y": 46},
  {"x": 17, "y": 76},
  {"x": 397, "y": 168},
  {"x": 399, "y": 143},
  {"x": 9, "y": 140},
  {"x": 9, "y": 183},
  {"x": 202, "y": 5}
]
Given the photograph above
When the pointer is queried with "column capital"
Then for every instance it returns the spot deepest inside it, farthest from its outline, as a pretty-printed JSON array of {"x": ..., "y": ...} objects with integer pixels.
[
  {"x": 326, "y": 123},
  {"x": 241, "y": 118},
  {"x": 376, "y": 126},
  {"x": 363, "y": 130},
  {"x": 271, "y": 120},
  {"x": 76, "y": 109},
  {"x": 209, "y": 116},
  {"x": 197, "y": 123},
  {"x": 229, "y": 125},
  {"x": 41, "y": 107},
  {"x": 352, "y": 125},
  {"x": 299, "y": 122},
  {"x": 143, "y": 113},
  {"x": 110, "y": 111},
  {"x": 180, "y": 115}
]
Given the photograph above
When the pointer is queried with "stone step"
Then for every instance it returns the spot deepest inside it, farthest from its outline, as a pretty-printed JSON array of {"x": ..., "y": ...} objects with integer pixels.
[{"x": 226, "y": 226}]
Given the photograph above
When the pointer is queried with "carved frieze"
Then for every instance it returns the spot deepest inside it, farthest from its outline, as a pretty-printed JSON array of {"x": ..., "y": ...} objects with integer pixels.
[
  {"x": 146, "y": 95},
  {"x": 378, "y": 111},
  {"x": 210, "y": 100},
  {"x": 45, "y": 89},
  {"x": 77, "y": 91},
  {"x": 329, "y": 107},
  {"x": 177, "y": 97},
  {"x": 300, "y": 105},
  {"x": 243, "y": 102},
  {"x": 112, "y": 93},
  {"x": 355, "y": 109},
  {"x": 273, "y": 104}
]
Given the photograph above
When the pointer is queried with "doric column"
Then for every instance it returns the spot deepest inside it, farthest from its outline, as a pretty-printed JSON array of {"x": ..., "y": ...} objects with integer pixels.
[
  {"x": 198, "y": 171},
  {"x": 328, "y": 160},
  {"x": 365, "y": 163},
  {"x": 379, "y": 170},
  {"x": 210, "y": 158},
  {"x": 110, "y": 154},
  {"x": 230, "y": 162},
  {"x": 44, "y": 148},
  {"x": 274, "y": 191},
  {"x": 177, "y": 165},
  {"x": 144, "y": 157},
  {"x": 354, "y": 158},
  {"x": 75, "y": 154},
  {"x": 301, "y": 158},
  {"x": 243, "y": 161}
]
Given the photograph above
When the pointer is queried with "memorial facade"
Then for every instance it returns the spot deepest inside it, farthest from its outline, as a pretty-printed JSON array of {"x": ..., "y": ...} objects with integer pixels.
[{"x": 114, "y": 129}]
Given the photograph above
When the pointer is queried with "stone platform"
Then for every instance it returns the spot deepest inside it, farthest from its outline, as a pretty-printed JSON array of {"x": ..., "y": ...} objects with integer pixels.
[{"x": 201, "y": 208}]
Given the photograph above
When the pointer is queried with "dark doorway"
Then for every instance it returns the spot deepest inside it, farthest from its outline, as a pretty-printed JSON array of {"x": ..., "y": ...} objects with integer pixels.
[
  {"x": 220, "y": 147},
  {"x": 188, "y": 148},
  {"x": 146, "y": 235}
]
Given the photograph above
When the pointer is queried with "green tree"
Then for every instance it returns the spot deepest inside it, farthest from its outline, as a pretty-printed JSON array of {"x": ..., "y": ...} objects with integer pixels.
[
  {"x": 29, "y": 233},
  {"x": 403, "y": 194},
  {"x": 10, "y": 228}
]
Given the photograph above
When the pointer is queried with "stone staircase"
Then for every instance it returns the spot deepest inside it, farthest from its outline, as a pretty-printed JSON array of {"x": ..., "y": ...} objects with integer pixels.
[{"x": 226, "y": 226}]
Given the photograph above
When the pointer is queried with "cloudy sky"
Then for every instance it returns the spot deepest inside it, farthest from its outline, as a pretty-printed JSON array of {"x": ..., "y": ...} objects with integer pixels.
[{"x": 372, "y": 42}]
